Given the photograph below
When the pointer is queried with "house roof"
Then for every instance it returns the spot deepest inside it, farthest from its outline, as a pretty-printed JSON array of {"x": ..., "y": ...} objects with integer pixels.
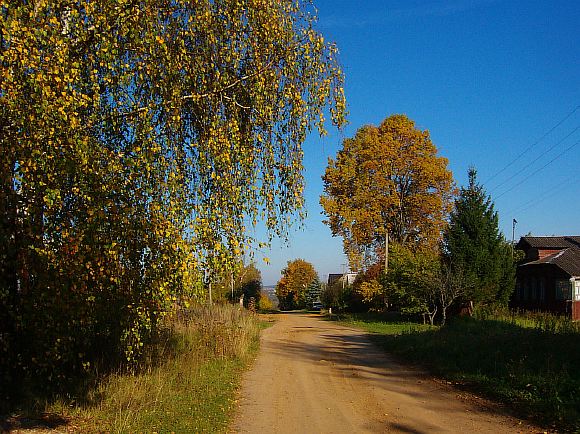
[
  {"x": 336, "y": 277},
  {"x": 333, "y": 277},
  {"x": 561, "y": 242},
  {"x": 567, "y": 260}
]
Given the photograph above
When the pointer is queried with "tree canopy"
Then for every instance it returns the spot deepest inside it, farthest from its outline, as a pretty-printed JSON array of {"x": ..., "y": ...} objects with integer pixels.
[
  {"x": 139, "y": 140},
  {"x": 474, "y": 245},
  {"x": 243, "y": 279},
  {"x": 391, "y": 179},
  {"x": 293, "y": 288}
]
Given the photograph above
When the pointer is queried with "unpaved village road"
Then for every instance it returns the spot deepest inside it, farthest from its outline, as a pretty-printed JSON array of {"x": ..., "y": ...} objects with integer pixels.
[{"x": 314, "y": 376}]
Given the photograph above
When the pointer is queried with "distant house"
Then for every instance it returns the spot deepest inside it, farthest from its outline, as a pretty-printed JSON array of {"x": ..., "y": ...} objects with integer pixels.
[
  {"x": 346, "y": 279},
  {"x": 549, "y": 277}
]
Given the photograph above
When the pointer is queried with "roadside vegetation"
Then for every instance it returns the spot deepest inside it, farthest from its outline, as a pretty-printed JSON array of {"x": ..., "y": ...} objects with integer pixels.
[
  {"x": 299, "y": 287},
  {"x": 134, "y": 164},
  {"x": 413, "y": 281},
  {"x": 387, "y": 323},
  {"x": 529, "y": 361},
  {"x": 418, "y": 245},
  {"x": 187, "y": 382}
]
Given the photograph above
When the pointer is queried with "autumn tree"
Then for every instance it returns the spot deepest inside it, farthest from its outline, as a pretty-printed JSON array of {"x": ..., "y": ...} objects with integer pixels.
[
  {"x": 292, "y": 288},
  {"x": 243, "y": 280},
  {"x": 387, "y": 180},
  {"x": 474, "y": 245},
  {"x": 368, "y": 290},
  {"x": 139, "y": 140}
]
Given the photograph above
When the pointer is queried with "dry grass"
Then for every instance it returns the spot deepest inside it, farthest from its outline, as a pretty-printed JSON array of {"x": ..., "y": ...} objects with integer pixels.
[{"x": 187, "y": 385}]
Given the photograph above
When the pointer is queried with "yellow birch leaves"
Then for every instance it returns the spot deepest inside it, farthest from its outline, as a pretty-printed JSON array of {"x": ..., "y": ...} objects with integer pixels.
[{"x": 139, "y": 141}]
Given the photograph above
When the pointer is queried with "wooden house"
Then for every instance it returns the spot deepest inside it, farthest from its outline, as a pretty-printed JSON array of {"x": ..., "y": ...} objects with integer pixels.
[
  {"x": 345, "y": 279},
  {"x": 549, "y": 276}
]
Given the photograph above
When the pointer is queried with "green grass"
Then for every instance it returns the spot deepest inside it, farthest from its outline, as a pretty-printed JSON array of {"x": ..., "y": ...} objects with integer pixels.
[
  {"x": 385, "y": 324},
  {"x": 188, "y": 385},
  {"x": 535, "y": 371}
]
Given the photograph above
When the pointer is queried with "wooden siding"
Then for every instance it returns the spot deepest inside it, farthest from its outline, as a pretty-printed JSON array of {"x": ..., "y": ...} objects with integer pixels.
[
  {"x": 576, "y": 311},
  {"x": 536, "y": 289}
]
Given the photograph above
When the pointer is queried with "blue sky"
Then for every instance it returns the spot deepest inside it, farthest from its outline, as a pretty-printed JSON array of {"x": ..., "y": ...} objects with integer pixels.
[{"x": 489, "y": 79}]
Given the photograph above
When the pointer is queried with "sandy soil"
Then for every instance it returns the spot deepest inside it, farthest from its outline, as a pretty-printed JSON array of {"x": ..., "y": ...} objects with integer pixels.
[{"x": 314, "y": 376}]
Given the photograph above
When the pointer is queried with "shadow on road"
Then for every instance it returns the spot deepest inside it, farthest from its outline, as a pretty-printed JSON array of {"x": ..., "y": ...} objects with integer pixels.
[{"x": 349, "y": 353}]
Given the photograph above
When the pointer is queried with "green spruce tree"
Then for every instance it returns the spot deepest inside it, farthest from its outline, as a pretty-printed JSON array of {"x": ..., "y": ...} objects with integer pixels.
[
  {"x": 313, "y": 292},
  {"x": 474, "y": 246}
]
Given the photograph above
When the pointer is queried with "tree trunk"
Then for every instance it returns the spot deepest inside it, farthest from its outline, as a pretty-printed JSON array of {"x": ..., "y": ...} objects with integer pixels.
[{"x": 432, "y": 316}]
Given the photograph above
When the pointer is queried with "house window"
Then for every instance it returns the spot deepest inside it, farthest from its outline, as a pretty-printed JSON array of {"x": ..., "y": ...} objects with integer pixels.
[
  {"x": 563, "y": 290},
  {"x": 577, "y": 290},
  {"x": 542, "y": 288}
]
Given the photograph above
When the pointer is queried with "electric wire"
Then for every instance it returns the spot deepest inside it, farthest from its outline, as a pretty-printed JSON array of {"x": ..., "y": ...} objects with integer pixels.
[
  {"x": 535, "y": 202},
  {"x": 539, "y": 198},
  {"x": 539, "y": 169},
  {"x": 537, "y": 158},
  {"x": 533, "y": 145}
]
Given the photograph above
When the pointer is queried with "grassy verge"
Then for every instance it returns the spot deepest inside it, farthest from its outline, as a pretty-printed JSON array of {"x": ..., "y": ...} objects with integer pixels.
[
  {"x": 536, "y": 370},
  {"x": 390, "y": 323},
  {"x": 188, "y": 385}
]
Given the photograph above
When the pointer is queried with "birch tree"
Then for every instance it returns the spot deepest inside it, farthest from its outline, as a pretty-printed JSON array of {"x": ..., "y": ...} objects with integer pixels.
[{"x": 140, "y": 139}]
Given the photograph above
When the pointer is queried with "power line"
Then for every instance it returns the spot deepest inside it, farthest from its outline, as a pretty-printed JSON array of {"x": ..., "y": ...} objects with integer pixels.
[
  {"x": 532, "y": 145},
  {"x": 537, "y": 158},
  {"x": 534, "y": 203},
  {"x": 559, "y": 186},
  {"x": 541, "y": 168}
]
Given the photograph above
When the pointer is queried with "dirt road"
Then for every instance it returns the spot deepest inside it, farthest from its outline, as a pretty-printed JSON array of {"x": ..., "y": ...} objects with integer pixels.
[{"x": 314, "y": 376}]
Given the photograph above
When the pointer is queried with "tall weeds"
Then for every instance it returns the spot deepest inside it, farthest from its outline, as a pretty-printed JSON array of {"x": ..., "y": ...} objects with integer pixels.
[
  {"x": 187, "y": 383},
  {"x": 529, "y": 360},
  {"x": 544, "y": 321}
]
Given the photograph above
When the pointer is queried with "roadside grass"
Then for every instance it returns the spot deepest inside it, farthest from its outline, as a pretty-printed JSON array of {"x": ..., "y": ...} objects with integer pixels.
[
  {"x": 533, "y": 365},
  {"x": 389, "y": 323},
  {"x": 188, "y": 384}
]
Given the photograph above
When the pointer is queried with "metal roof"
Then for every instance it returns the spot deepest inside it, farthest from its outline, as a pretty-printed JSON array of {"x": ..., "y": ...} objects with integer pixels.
[
  {"x": 560, "y": 242},
  {"x": 567, "y": 260}
]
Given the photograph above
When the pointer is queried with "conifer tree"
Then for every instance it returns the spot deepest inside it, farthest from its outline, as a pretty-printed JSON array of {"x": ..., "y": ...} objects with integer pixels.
[
  {"x": 474, "y": 246},
  {"x": 313, "y": 292}
]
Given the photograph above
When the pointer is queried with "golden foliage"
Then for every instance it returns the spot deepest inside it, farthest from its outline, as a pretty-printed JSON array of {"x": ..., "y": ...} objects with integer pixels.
[
  {"x": 292, "y": 288},
  {"x": 387, "y": 178},
  {"x": 370, "y": 290},
  {"x": 139, "y": 140}
]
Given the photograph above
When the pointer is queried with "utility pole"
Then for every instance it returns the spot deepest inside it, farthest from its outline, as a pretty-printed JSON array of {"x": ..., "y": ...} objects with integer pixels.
[
  {"x": 386, "y": 250},
  {"x": 514, "y": 222},
  {"x": 343, "y": 275}
]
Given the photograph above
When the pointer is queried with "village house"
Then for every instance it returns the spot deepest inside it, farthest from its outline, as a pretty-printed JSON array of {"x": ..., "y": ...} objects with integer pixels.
[
  {"x": 549, "y": 277},
  {"x": 345, "y": 279}
]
